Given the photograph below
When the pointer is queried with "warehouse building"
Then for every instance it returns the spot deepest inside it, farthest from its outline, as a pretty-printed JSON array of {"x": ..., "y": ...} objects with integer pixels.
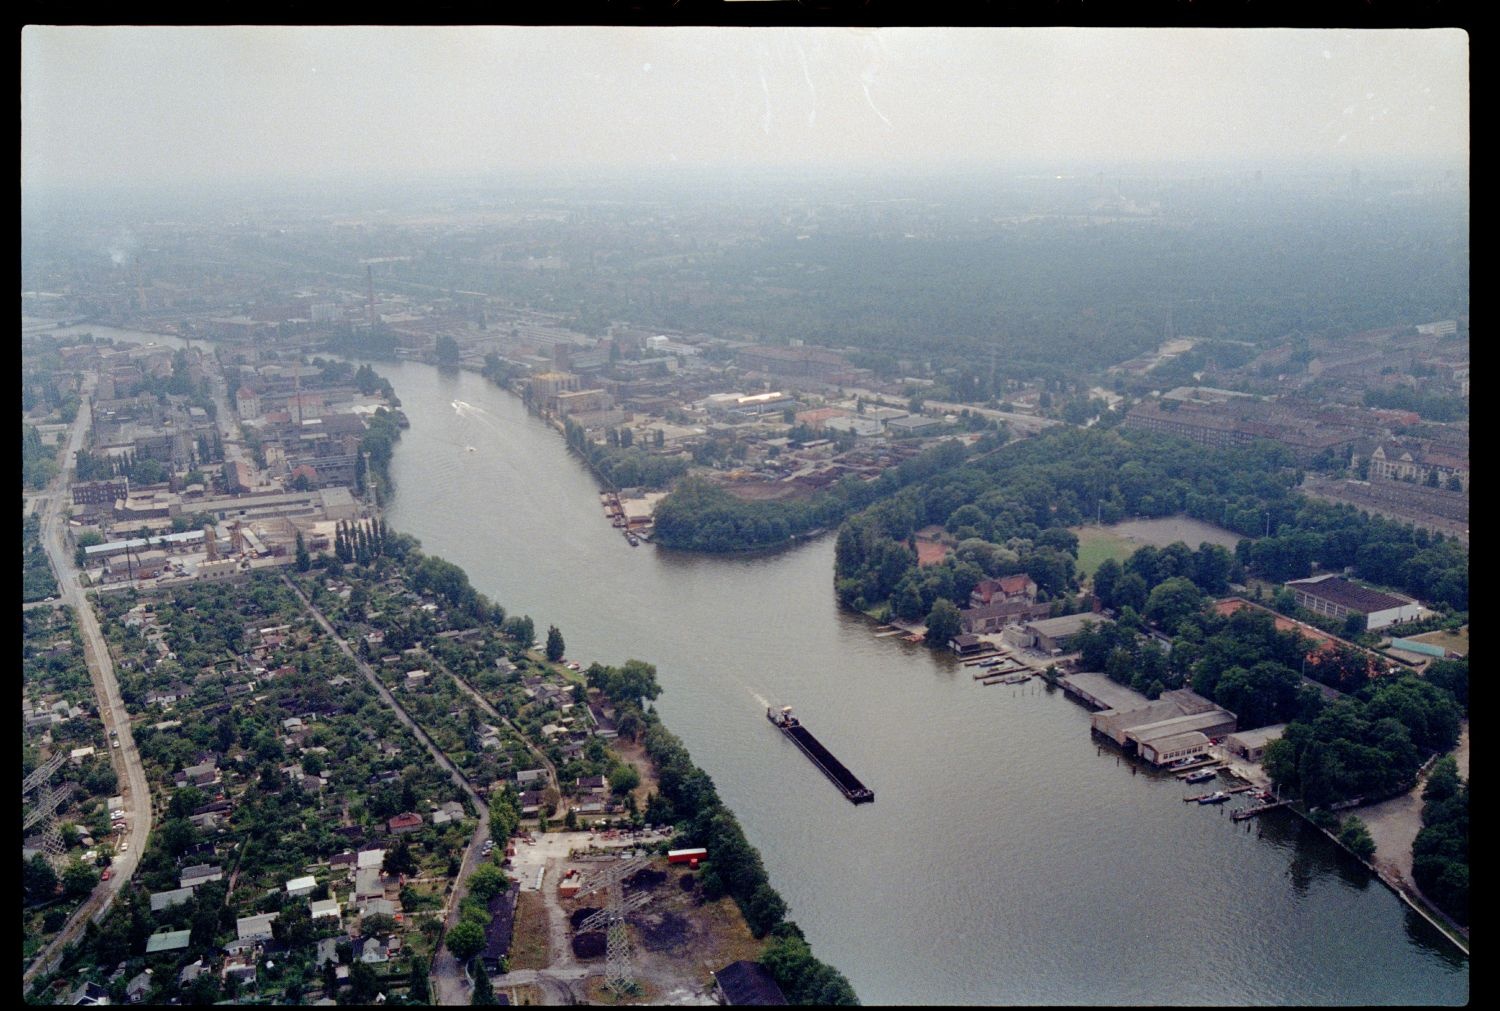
[{"x": 1337, "y": 598}]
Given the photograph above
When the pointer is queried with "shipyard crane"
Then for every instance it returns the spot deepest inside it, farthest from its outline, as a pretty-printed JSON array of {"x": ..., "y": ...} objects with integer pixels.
[{"x": 619, "y": 975}]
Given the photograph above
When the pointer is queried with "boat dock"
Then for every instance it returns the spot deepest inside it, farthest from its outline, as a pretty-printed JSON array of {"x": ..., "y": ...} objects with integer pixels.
[
  {"x": 1231, "y": 791},
  {"x": 1183, "y": 771},
  {"x": 1251, "y": 812},
  {"x": 845, "y": 780}
]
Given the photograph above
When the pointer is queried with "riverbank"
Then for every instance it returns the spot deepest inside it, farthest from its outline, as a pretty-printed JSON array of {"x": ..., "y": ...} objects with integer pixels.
[{"x": 523, "y": 517}]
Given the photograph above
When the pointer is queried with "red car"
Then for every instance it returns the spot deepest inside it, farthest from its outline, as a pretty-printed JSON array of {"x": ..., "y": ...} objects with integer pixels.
[{"x": 108, "y": 871}]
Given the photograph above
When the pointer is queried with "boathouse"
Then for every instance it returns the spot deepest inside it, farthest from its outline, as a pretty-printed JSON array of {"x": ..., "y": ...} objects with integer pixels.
[
  {"x": 1053, "y": 633},
  {"x": 968, "y": 645},
  {"x": 1251, "y": 744}
]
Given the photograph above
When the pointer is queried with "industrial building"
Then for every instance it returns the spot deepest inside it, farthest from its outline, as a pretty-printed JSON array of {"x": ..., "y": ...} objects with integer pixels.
[{"x": 1337, "y": 598}]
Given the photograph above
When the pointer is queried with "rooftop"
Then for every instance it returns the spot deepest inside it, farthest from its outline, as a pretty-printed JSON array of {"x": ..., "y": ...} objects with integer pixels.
[{"x": 1342, "y": 592}]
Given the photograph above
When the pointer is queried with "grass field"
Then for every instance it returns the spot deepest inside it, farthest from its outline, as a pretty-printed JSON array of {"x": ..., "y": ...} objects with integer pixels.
[
  {"x": 1095, "y": 544},
  {"x": 1458, "y": 641}
]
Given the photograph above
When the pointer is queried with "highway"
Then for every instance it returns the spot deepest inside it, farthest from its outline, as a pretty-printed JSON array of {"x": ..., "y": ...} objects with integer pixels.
[{"x": 125, "y": 758}]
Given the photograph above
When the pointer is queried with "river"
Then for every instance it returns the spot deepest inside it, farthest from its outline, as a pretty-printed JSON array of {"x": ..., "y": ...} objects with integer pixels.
[{"x": 1007, "y": 858}]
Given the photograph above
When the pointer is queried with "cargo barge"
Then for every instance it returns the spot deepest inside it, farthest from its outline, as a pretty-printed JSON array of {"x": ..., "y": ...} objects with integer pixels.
[{"x": 842, "y": 778}]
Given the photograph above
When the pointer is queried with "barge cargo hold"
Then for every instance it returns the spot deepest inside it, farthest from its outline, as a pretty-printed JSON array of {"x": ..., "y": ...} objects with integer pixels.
[{"x": 842, "y": 778}]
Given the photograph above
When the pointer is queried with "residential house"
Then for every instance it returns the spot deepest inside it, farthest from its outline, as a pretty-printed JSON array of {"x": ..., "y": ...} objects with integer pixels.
[
  {"x": 368, "y": 884},
  {"x": 137, "y": 988},
  {"x": 301, "y": 886},
  {"x": 168, "y": 899},
  {"x": 1005, "y": 589},
  {"x": 254, "y": 928},
  {"x": 200, "y": 874},
  {"x": 405, "y": 824},
  {"x": 167, "y": 940},
  {"x": 592, "y": 785}
]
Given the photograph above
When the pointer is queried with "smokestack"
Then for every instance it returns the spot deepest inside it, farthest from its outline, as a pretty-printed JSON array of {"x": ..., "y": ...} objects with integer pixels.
[{"x": 370, "y": 294}]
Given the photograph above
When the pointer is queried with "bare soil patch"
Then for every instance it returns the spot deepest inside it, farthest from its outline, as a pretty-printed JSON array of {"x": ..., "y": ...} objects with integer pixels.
[
  {"x": 645, "y": 879},
  {"x": 1458, "y": 641},
  {"x": 525, "y": 993},
  {"x": 598, "y": 992},
  {"x": 579, "y": 915},
  {"x": 679, "y": 937},
  {"x": 590, "y": 944},
  {"x": 765, "y": 491},
  {"x": 634, "y": 754},
  {"x": 530, "y": 947},
  {"x": 667, "y": 931}
]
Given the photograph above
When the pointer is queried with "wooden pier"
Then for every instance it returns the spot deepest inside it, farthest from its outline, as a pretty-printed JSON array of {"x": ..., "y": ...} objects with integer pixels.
[
  {"x": 1251, "y": 812},
  {"x": 1231, "y": 791}
]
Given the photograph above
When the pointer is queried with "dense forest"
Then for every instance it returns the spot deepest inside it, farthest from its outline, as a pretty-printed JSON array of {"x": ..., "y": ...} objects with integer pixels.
[
  {"x": 1001, "y": 507},
  {"x": 1054, "y": 280}
]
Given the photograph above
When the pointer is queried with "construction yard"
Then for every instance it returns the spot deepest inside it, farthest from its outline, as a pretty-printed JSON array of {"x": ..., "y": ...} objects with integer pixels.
[{"x": 676, "y": 937}]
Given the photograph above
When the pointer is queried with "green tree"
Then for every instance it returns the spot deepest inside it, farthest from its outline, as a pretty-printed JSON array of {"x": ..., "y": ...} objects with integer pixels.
[
  {"x": 38, "y": 879},
  {"x": 555, "y": 646},
  {"x": 487, "y": 881},
  {"x": 484, "y": 990},
  {"x": 465, "y": 940},
  {"x": 1172, "y": 602},
  {"x": 400, "y": 860},
  {"x": 505, "y": 814},
  {"x": 1356, "y": 837},
  {"x": 943, "y": 622},
  {"x": 447, "y": 350},
  {"x": 420, "y": 989},
  {"x": 79, "y": 879},
  {"x": 364, "y": 983}
]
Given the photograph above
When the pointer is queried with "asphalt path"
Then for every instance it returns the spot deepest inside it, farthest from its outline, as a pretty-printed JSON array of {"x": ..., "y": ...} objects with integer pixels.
[{"x": 125, "y": 759}]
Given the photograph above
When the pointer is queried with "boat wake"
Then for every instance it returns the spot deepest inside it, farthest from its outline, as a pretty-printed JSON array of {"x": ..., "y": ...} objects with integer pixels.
[{"x": 763, "y": 703}]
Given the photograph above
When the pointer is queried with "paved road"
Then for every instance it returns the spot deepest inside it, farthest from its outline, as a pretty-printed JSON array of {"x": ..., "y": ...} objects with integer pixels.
[
  {"x": 112, "y": 711},
  {"x": 537, "y": 753}
]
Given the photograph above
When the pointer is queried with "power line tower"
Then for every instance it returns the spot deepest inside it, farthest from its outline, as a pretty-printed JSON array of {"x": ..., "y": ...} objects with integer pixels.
[
  {"x": 46, "y": 811},
  {"x": 45, "y": 805},
  {"x": 619, "y": 974},
  {"x": 42, "y": 773}
]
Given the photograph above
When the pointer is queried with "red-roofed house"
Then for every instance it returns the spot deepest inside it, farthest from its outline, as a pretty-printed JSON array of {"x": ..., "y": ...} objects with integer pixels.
[
  {"x": 1007, "y": 588},
  {"x": 404, "y": 823}
]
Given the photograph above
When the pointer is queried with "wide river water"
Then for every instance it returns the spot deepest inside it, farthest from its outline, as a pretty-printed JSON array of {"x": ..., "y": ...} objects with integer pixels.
[{"x": 1007, "y": 858}]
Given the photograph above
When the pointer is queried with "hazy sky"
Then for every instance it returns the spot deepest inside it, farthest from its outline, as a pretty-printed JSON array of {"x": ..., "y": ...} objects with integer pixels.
[{"x": 160, "y": 104}]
